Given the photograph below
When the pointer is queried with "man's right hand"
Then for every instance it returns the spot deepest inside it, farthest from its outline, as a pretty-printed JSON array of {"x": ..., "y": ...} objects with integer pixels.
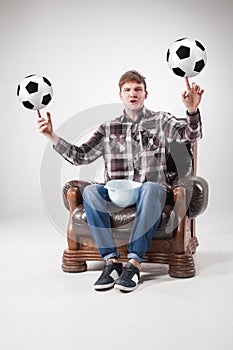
[{"x": 46, "y": 128}]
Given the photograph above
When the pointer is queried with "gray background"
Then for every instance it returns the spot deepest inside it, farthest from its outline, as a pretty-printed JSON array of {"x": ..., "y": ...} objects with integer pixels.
[{"x": 83, "y": 47}]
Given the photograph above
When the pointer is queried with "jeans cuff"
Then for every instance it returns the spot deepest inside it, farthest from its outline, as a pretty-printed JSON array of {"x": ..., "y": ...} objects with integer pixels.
[
  {"x": 111, "y": 255},
  {"x": 135, "y": 257}
]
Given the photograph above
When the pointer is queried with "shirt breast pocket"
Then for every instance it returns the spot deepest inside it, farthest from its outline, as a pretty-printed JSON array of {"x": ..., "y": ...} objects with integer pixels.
[
  {"x": 150, "y": 140},
  {"x": 117, "y": 142}
]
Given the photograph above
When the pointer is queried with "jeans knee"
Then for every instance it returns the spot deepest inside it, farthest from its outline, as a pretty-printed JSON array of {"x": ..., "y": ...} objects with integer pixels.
[
  {"x": 89, "y": 191},
  {"x": 153, "y": 193},
  {"x": 153, "y": 188}
]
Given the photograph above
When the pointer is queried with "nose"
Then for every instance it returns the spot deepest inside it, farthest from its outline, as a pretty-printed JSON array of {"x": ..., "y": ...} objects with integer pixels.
[{"x": 132, "y": 93}]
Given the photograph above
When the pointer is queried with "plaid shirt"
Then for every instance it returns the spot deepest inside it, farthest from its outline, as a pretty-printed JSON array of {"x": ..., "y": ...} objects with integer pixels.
[{"x": 134, "y": 150}]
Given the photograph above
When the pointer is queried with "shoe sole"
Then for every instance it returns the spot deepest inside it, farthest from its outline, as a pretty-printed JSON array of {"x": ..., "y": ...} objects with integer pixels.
[
  {"x": 125, "y": 289},
  {"x": 103, "y": 286}
]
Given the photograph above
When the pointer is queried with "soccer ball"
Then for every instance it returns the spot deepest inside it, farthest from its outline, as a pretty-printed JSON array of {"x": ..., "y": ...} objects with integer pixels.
[
  {"x": 35, "y": 92},
  {"x": 186, "y": 57}
]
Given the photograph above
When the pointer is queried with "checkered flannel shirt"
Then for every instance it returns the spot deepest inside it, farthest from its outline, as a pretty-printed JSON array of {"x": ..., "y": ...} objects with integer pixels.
[{"x": 134, "y": 150}]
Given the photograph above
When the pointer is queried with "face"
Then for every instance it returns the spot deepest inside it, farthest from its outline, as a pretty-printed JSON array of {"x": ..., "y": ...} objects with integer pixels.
[{"x": 133, "y": 95}]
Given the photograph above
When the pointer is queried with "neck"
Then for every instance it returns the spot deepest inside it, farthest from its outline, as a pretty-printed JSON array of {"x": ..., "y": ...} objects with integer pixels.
[{"x": 133, "y": 115}]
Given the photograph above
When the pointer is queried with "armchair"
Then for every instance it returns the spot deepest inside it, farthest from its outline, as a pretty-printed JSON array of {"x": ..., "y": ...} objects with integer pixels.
[{"x": 175, "y": 240}]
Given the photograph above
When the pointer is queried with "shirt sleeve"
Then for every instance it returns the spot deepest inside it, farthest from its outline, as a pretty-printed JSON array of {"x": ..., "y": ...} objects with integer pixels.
[
  {"x": 84, "y": 154},
  {"x": 182, "y": 130}
]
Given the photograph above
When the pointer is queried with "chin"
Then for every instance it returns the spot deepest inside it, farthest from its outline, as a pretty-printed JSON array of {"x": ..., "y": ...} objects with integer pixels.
[{"x": 135, "y": 108}]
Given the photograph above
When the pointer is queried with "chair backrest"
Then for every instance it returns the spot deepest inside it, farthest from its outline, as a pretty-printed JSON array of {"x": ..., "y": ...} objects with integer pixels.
[{"x": 180, "y": 161}]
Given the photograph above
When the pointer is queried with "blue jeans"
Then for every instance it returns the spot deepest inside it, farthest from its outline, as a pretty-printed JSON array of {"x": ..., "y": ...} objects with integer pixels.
[{"x": 149, "y": 208}]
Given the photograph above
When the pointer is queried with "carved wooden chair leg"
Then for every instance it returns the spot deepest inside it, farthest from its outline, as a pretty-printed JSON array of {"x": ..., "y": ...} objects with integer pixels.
[
  {"x": 70, "y": 260},
  {"x": 193, "y": 244},
  {"x": 181, "y": 263}
]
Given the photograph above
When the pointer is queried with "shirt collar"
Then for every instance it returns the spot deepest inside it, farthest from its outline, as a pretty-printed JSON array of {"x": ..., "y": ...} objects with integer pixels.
[{"x": 141, "y": 115}]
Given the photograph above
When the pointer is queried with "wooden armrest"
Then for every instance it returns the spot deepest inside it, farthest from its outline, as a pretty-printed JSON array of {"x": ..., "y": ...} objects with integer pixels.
[
  {"x": 180, "y": 202},
  {"x": 72, "y": 193}
]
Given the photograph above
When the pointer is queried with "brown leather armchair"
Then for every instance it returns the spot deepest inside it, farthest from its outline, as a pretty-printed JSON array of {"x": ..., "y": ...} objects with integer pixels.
[{"x": 174, "y": 242}]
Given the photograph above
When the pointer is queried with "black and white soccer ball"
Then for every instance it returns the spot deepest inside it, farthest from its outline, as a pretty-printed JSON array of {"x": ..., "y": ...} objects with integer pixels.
[
  {"x": 35, "y": 92},
  {"x": 186, "y": 57}
]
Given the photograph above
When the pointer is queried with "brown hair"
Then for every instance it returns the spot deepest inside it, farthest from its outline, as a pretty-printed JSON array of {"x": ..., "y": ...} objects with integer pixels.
[{"x": 132, "y": 75}]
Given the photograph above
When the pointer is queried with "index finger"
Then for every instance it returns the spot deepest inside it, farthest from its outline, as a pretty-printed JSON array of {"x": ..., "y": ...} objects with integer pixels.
[
  {"x": 187, "y": 83},
  {"x": 48, "y": 116}
]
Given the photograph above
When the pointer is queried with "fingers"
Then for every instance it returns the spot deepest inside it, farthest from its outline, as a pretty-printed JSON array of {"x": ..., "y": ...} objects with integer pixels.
[
  {"x": 44, "y": 124},
  {"x": 199, "y": 90},
  {"x": 41, "y": 119},
  {"x": 188, "y": 87},
  {"x": 195, "y": 87},
  {"x": 48, "y": 116}
]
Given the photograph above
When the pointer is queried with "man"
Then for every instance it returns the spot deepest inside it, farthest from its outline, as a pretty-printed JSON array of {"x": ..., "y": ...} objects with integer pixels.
[{"x": 133, "y": 147}]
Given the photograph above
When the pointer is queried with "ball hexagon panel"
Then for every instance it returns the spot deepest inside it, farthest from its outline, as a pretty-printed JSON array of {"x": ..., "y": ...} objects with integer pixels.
[
  {"x": 183, "y": 52},
  {"x": 199, "y": 66},
  {"x": 46, "y": 99},
  {"x": 32, "y": 87}
]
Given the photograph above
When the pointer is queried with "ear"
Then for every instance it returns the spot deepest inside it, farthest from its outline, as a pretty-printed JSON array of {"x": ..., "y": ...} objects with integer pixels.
[
  {"x": 120, "y": 95},
  {"x": 146, "y": 94}
]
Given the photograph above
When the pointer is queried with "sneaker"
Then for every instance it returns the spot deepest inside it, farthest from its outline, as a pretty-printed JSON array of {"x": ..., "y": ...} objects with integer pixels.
[
  {"x": 111, "y": 272},
  {"x": 129, "y": 278}
]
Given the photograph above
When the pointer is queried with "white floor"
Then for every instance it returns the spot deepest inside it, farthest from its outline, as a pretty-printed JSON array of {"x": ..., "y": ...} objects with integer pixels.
[{"x": 44, "y": 308}]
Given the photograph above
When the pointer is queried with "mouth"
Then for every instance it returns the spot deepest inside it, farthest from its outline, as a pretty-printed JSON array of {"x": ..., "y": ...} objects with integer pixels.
[{"x": 133, "y": 101}]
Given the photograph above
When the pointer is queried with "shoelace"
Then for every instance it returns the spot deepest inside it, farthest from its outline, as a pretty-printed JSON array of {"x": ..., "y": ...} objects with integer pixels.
[
  {"x": 106, "y": 271},
  {"x": 109, "y": 268},
  {"x": 126, "y": 274}
]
